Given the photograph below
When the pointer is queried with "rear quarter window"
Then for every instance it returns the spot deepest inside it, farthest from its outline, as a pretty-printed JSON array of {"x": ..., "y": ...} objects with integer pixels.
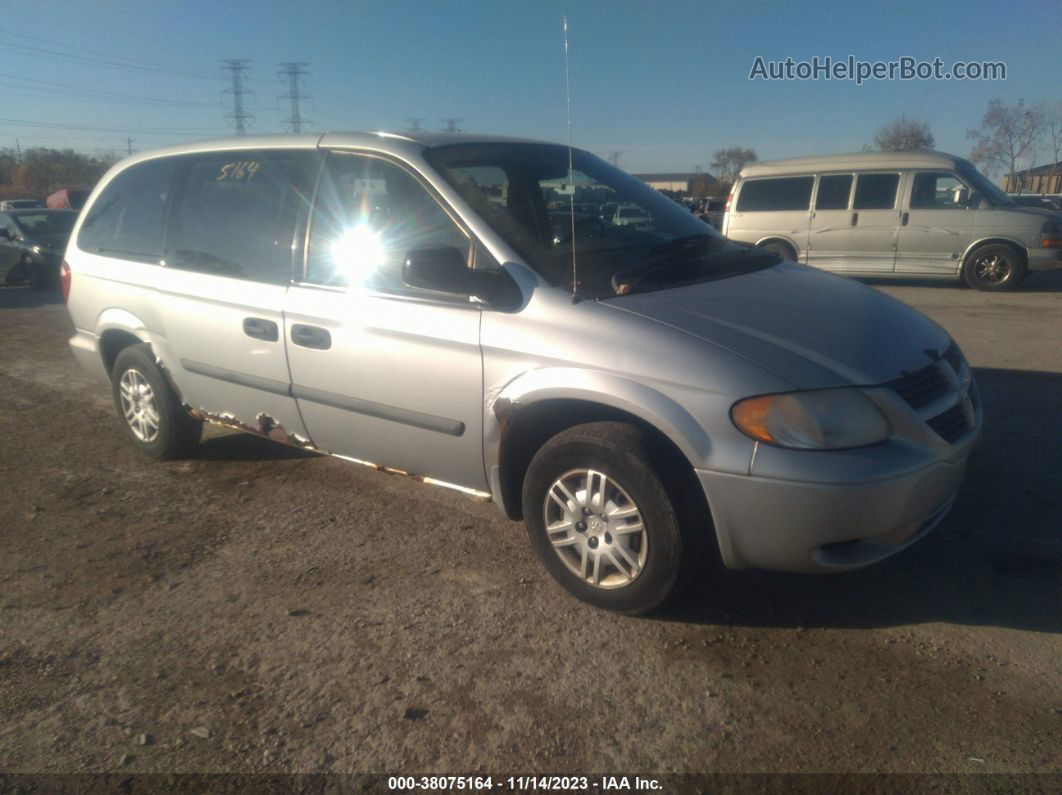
[
  {"x": 126, "y": 220},
  {"x": 784, "y": 193}
]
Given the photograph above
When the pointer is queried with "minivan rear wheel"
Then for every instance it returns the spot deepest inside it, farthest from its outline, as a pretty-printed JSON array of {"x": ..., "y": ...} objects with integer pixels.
[
  {"x": 148, "y": 408},
  {"x": 994, "y": 267},
  {"x": 601, "y": 519}
]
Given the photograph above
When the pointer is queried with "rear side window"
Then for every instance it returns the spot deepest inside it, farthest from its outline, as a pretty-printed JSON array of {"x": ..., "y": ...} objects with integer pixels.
[
  {"x": 876, "y": 191},
  {"x": 765, "y": 195},
  {"x": 237, "y": 212},
  {"x": 126, "y": 220},
  {"x": 833, "y": 192}
]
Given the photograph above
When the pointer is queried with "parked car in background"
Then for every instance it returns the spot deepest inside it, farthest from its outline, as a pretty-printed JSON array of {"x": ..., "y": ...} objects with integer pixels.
[
  {"x": 647, "y": 399},
  {"x": 69, "y": 198},
  {"x": 713, "y": 212},
  {"x": 1046, "y": 201},
  {"x": 20, "y": 204},
  {"x": 633, "y": 216},
  {"x": 32, "y": 243},
  {"x": 924, "y": 214}
]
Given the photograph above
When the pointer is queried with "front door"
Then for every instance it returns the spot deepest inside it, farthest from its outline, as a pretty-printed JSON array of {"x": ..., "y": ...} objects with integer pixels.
[
  {"x": 384, "y": 373},
  {"x": 935, "y": 224}
]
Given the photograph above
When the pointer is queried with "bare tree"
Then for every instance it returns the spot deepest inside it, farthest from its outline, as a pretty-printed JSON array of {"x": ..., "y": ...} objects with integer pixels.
[
  {"x": 729, "y": 162},
  {"x": 1052, "y": 113},
  {"x": 1007, "y": 137},
  {"x": 904, "y": 135}
]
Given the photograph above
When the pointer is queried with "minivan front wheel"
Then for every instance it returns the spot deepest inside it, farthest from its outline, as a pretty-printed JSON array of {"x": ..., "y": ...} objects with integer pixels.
[
  {"x": 150, "y": 413},
  {"x": 994, "y": 267},
  {"x": 600, "y": 518}
]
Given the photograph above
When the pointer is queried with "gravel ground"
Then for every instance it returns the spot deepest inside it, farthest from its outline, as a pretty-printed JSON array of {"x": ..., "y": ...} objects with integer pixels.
[{"x": 262, "y": 609}]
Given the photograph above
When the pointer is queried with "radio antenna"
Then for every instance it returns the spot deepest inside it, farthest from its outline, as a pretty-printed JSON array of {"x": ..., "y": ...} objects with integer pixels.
[{"x": 571, "y": 170}]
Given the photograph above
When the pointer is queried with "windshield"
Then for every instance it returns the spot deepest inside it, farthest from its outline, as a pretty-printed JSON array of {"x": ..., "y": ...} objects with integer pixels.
[
  {"x": 622, "y": 226},
  {"x": 988, "y": 189},
  {"x": 46, "y": 224}
]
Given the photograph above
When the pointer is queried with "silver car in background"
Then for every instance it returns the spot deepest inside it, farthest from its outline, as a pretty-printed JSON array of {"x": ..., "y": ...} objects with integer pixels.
[
  {"x": 905, "y": 214},
  {"x": 646, "y": 399}
]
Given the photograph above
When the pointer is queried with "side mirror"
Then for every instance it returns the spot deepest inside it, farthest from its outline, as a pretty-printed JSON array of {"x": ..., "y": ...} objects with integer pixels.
[
  {"x": 962, "y": 197},
  {"x": 444, "y": 270}
]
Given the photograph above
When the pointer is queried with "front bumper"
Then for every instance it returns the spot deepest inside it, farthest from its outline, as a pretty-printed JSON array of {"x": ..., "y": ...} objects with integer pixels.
[{"x": 823, "y": 527}]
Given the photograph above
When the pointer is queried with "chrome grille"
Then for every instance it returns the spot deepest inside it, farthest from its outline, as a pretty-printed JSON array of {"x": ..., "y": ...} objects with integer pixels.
[{"x": 943, "y": 395}]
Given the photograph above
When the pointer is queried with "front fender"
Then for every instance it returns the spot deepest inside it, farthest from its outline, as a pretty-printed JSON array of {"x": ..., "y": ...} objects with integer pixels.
[{"x": 614, "y": 391}]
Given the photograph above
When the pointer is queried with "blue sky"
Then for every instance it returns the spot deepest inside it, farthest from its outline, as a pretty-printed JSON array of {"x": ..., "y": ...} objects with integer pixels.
[{"x": 665, "y": 83}]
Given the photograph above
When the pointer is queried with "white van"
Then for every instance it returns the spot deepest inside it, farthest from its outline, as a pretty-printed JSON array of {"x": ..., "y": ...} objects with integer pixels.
[{"x": 911, "y": 214}]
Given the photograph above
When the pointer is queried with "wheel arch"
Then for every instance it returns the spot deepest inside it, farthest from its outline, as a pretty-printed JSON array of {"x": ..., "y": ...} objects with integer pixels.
[
  {"x": 780, "y": 239},
  {"x": 1019, "y": 247},
  {"x": 117, "y": 329}
]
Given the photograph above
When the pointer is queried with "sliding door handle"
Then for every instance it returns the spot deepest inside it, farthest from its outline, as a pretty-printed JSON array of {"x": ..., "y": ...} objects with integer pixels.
[{"x": 261, "y": 329}]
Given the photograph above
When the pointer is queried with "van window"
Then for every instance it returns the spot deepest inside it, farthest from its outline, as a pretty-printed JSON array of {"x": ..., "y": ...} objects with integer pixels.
[
  {"x": 236, "y": 214},
  {"x": 876, "y": 191},
  {"x": 786, "y": 193},
  {"x": 368, "y": 215},
  {"x": 126, "y": 220},
  {"x": 833, "y": 192},
  {"x": 938, "y": 191}
]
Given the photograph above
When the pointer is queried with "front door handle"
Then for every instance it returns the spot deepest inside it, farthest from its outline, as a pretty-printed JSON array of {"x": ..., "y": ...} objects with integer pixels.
[
  {"x": 904, "y": 219},
  {"x": 855, "y": 218},
  {"x": 311, "y": 337},
  {"x": 261, "y": 329}
]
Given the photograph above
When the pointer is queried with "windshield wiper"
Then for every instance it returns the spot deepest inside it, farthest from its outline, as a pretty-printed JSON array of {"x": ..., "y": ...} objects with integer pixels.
[{"x": 678, "y": 266}]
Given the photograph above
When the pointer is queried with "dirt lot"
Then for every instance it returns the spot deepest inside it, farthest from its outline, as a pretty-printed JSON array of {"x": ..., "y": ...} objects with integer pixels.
[{"x": 262, "y": 609}]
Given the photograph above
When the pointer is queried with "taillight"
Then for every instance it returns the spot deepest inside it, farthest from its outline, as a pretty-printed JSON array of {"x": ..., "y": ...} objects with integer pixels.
[
  {"x": 729, "y": 201},
  {"x": 64, "y": 279}
]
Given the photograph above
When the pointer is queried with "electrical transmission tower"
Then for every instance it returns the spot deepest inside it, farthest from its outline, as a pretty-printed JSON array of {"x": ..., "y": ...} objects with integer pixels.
[
  {"x": 614, "y": 158},
  {"x": 451, "y": 125},
  {"x": 239, "y": 70},
  {"x": 293, "y": 71},
  {"x": 414, "y": 125}
]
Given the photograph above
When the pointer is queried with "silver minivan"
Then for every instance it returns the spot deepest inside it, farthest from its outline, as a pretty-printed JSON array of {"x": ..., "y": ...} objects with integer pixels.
[
  {"x": 647, "y": 397},
  {"x": 906, "y": 214}
]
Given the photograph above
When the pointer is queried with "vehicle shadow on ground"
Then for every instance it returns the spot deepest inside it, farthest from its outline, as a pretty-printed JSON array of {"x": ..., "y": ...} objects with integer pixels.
[
  {"x": 27, "y": 298},
  {"x": 246, "y": 447},
  {"x": 1036, "y": 282},
  {"x": 995, "y": 560}
]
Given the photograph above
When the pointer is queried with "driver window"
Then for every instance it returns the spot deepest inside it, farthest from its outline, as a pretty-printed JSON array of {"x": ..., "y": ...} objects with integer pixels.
[
  {"x": 368, "y": 215},
  {"x": 938, "y": 191}
]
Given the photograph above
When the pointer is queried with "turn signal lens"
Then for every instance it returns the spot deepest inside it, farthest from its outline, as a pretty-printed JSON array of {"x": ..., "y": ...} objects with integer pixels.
[
  {"x": 65, "y": 277},
  {"x": 826, "y": 419}
]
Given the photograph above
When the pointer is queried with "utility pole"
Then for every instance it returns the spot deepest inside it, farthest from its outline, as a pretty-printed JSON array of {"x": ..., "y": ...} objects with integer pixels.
[
  {"x": 414, "y": 125},
  {"x": 293, "y": 71},
  {"x": 18, "y": 152},
  {"x": 239, "y": 70},
  {"x": 451, "y": 125},
  {"x": 614, "y": 158},
  {"x": 128, "y": 145}
]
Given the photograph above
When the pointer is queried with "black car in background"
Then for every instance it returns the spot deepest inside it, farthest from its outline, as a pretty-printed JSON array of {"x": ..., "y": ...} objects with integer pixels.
[{"x": 32, "y": 243}]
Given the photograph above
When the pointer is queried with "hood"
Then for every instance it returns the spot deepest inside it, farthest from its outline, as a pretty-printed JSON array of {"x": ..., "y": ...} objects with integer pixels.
[
  {"x": 1043, "y": 212},
  {"x": 809, "y": 327}
]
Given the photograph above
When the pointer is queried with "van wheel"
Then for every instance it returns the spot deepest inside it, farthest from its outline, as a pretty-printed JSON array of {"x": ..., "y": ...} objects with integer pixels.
[
  {"x": 151, "y": 415},
  {"x": 601, "y": 519},
  {"x": 994, "y": 267},
  {"x": 783, "y": 250}
]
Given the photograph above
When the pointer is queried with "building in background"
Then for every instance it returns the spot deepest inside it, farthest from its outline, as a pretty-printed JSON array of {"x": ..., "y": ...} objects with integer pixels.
[{"x": 1041, "y": 179}]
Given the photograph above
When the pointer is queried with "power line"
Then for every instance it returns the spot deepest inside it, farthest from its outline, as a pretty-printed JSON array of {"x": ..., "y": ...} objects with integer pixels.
[
  {"x": 53, "y": 126},
  {"x": 451, "y": 125},
  {"x": 293, "y": 70},
  {"x": 237, "y": 67}
]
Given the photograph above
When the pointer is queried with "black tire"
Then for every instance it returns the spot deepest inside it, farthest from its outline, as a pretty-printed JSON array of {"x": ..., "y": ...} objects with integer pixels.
[
  {"x": 995, "y": 267},
  {"x": 782, "y": 249},
  {"x": 176, "y": 432},
  {"x": 35, "y": 272},
  {"x": 629, "y": 459}
]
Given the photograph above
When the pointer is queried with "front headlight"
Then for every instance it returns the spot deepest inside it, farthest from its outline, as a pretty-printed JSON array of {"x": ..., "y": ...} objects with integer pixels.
[{"x": 825, "y": 419}]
